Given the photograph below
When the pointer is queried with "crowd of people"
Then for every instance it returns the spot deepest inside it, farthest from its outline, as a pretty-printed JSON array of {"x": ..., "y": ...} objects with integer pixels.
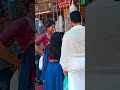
[{"x": 63, "y": 55}]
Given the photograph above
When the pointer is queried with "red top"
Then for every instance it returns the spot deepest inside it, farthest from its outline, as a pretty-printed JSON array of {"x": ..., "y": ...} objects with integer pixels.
[
  {"x": 19, "y": 30},
  {"x": 42, "y": 39},
  {"x": 49, "y": 58}
]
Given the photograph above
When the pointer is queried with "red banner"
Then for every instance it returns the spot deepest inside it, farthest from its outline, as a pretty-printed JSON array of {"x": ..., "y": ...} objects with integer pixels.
[{"x": 64, "y": 4}]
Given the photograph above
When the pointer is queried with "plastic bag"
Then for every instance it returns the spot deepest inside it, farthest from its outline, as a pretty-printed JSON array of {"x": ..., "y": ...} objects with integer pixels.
[
  {"x": 41, "y": 62},
  {"x": 65, "y": 83}
]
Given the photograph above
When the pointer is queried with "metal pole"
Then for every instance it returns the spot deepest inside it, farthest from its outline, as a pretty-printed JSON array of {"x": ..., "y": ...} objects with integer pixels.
[
  {"x": 46, "y": 16},
  {"x": 42, "y": 17},
  {"x": 56, "y": 10},
  {"x": 78, "y": 6},
  {"x": 39, "y": 16},
  {"x": 53, "y": 12}
]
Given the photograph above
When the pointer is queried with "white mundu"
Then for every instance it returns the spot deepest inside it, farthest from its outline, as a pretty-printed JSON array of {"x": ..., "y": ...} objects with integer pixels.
[{"x": 73, "y": 57}]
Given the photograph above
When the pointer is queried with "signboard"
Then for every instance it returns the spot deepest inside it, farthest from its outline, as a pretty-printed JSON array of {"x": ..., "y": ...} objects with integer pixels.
[
  {"x": 82, "y": 2},
  {"x": 64, "y": 4}
]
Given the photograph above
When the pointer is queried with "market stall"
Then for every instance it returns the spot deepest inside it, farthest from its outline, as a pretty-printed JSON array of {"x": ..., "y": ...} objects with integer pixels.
[{"x": 59, "y": 11}]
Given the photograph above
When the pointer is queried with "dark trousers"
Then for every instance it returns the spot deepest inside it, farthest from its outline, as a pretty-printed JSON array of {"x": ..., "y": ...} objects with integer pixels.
[
  {"x": 5, "y": 77},
  {"x": 38, "y": 72}
]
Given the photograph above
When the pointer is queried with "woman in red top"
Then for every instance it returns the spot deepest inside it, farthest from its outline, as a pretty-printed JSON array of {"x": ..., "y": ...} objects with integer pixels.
[
  {"x": 45, "y": 37},
  {"x": 44, "y": 40}
]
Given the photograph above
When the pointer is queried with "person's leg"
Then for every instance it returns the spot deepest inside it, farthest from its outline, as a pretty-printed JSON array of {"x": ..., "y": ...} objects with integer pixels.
[
  {"x": 37, "y": 57},
  {"x": 76, "y": 80},
  {"x": 32, "y": 87},
  {"x": 5, "y": 77}
]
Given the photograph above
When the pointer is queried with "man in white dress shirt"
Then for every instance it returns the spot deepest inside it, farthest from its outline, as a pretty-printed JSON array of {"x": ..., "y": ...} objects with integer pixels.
[{"x": 73, "y": 53}]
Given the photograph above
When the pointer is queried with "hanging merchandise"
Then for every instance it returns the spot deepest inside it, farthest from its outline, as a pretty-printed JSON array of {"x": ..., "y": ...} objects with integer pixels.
[
  {"x": 72, "y": 7},
  {"x": 57, "y": 26},
  {"x": 66, "y": 12},
  {"x": 82, "y": 2},
  {"x": 11, "y": 4},
  {"x": 37, "y": 24},
  {"x": 65, "y": 25},
  {"x": 60, "y": 23},
  {"x": 68, "y": 23},
  {"x": 56, "y": 10}
]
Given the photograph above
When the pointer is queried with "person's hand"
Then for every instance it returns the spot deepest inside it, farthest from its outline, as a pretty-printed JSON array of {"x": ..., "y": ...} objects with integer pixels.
[
  {"x": 42, "y": 53},
  {"x": 17, "y": 63},
  {"x": 48, "y": 43},
  {"x": 65, "y": 73}
]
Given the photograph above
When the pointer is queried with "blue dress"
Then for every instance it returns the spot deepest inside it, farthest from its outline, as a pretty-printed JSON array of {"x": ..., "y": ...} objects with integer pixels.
[{"x": 52, "y": 74}]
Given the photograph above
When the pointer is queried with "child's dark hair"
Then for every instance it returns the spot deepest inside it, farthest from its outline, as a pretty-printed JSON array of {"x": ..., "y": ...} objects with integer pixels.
[
  {"x": 55, "y": 46},
  {"x": 75, "y": 16}
]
